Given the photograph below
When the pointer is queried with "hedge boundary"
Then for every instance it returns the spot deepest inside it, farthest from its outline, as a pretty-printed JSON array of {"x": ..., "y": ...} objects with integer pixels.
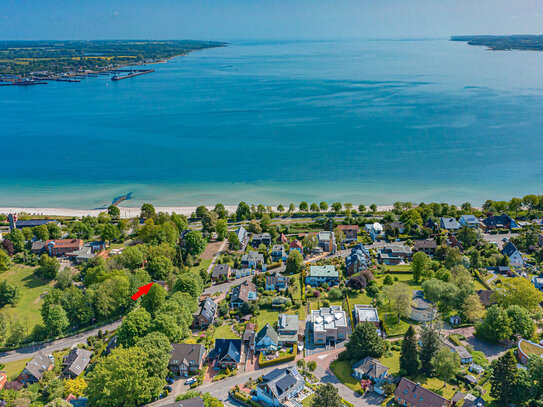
[{"x": 281, "y": 359}]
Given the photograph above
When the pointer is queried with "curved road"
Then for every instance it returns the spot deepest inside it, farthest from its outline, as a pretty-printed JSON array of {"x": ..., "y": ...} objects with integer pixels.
[{"x": 49, "y": 347}]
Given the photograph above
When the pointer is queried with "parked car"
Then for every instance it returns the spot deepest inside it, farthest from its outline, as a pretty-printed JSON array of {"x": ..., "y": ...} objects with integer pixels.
[
  {"x": 191, "y": 380},
  {"x": 169, "y": 380},
  {"x": 168, "y": 388}
]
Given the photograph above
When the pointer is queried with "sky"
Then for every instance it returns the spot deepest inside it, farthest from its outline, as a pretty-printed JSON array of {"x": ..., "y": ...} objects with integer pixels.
[{"x": 227, "y": 20}]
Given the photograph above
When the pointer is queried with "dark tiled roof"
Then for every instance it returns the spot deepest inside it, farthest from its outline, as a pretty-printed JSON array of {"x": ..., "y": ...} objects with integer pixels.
[
  {"x": 192, "y": 402},
  {"x": 39, "y": 365},
  {"x": 34, "y": 222},
  {"x": 184, "y": 353},
  {"x": 280, "y": 380},
  {"x": 418, "y": 396},
  {"x": 241, "y": 292},
  {"x": 220, "y": 270},
  {"x": 370, "y": 367},
  {"x": 509, "y": 249},
  {"x": 226, "y": 347},
  {"x": 425, "y": 244},
  {"x": 77, "y": 361},
  {"x": 267, "y": 331},
  {"x": 208, "y": 308}
]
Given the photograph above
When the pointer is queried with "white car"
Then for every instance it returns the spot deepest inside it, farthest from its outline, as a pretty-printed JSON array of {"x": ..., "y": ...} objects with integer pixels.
[{"x": 191, "y": 380}]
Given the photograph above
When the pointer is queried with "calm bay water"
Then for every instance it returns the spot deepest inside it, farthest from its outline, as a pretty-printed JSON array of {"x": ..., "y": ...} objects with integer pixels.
[{"x": 275, "y": 122}]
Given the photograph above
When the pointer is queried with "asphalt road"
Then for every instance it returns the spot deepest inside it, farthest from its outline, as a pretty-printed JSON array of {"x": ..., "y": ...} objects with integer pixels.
[{"x": 49, "y": 347}]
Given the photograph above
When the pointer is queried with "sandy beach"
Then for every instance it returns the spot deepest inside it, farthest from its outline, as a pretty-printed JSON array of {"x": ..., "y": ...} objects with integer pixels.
[{"x": 126, "y": 212}]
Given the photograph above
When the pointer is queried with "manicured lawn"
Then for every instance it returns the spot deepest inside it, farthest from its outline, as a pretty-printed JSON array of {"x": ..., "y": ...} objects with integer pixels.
[
  {"x": 13, "y": 369},
  {"x": 225, "y": 332},
  {"x": 307, "y": 401},
  {"x": 435, "y": 385},
  {"x": 266, "y": 317},
  {"x": 401, "y": 277},
  {"x": 298, "y": 311},
  {"x": 393, "y": 327},
  {"x": 359, "y": 298},
  {"x": 342, "y": 370},
  {"x": 399, "y": 267},
  {"x": 479, "y": 285},
  {"x": 392, "y": 362},
  {"x": 31, "y": 287}
]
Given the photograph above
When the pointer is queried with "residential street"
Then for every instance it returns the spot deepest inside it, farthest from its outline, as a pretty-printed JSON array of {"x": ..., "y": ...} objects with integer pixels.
[{"x": 68, "y": 342}]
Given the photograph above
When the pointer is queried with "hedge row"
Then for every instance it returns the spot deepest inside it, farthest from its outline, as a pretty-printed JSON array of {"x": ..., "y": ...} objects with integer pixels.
[
  {"x": 245, "y": 400},
  {"x": 280, "y": 359}
]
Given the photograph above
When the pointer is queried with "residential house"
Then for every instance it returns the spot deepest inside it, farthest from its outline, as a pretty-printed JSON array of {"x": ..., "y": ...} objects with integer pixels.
[
  {"x": 449, "y": 224},
  {"x": 205, "y": 315},
  {"x": 87, "y": 252},
  {"x": 465, "y": 356},
  {"x": 243, "y": 237},
  {"x": 252, "y": 259},
  {"x": 358, "y": 260},
  {"x": 60, "y": 247},
  {"x": 350, "y": 232},
  {"x": 473, "y": 401},
  {"x": 375, "y": 230},
  {"x": 370, "y": 368},
  {"x": 485, "y": 296},
  {"x": 3, "y": 379},
  {"x": 322, "y": 274},
  {"x": 240, "y": 273},
  {"x": 192, "y": 402},
  {"x": 245, "y": 292},
  {"x": 221, "y": 272},
  {"x": 279, "y": 386},
  {"x": 327, "y": 241},
  {"x": 475, "y": 368},
  {"x": 427, "y": 246},
  {"x": 394, "y": 254},
  {"x": 261, "y": 238},
  {"x": 287, "y": 329},
  {"x": 249, "y": 336},
  {"x": 431, "y": 224},
  {"x": 502, "y": 221},
  {"x": 398, "y": 225},
  {"x": 276, "y": 281},
  {"x": 469, "y": 221},
  {"x": 186, "y": 358},
  {"x": 278, "y": 252},
  {"x": 34, "y": 370},
  {"x": 537, "y": 281},
  {"x": 412, "y": 394},
  {"x": 296, "y": 245},
  {"x": 226, "y": 353},
  {"x": 75, "y": 363},
  {"x": 366, "y": 313},
  {"x": 329, "y": 325},
  {"x": 267, "y": 340},
  {"x": 515, "y": 257},
  {"x": 38, "y": 247},
  {"x": 454, "y": 242},
  {"x": 282, "y": 239}
]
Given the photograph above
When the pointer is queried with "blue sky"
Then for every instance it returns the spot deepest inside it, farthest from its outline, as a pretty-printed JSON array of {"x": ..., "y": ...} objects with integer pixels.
[{"x": 258, "y": 19}]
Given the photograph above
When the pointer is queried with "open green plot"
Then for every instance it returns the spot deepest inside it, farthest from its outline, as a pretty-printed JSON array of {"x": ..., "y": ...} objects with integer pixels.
[
  {"x": 13, "y": 369},
  {"x": 392, "y": 362},
  {"x": 204, "y": 264},
  {"x": 266, "y": 317},
  {"x": 225, "y": 332},
  {"x": 342, "y": 370},
  {"x": 393, "y": 326},
  {"x": 298, "y": 311},
  {"x": 402, "y": 278},
  {"x": 31, "y": 288},
  {"x": 359, "y": 298},
  {"x": 307, "y": 401}
]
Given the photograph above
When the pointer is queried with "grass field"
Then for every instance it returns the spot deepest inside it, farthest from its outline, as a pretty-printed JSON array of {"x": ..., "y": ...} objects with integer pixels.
[
  {"x": 342, "y": 370},
  {"x": 393, "y": 326},
  {"x": 204, "y": 264},
  {"x": 14, "y": 368},
  {"x": 307, "y": 401},
  {"x": 225, "y": 331},
  {"x": 400, "y": 277},
  {"x": 392, "y": 362},
  {"x": 31, "y": 287},
  {"x": 266, "y": 317}
]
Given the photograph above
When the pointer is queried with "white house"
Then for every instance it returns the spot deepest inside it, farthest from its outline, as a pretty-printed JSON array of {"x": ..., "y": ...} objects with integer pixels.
[
  {"x": 375, "y": 230},
  {"x": 279, "y": 386},
  {"x": 515, "y": 257}
]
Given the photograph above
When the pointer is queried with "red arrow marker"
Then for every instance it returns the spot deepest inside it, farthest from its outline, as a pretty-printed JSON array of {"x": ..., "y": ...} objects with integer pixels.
[{"x": 144, "y": 289}]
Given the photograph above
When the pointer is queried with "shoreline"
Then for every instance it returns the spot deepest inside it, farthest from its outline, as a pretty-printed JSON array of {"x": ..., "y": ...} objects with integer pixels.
[{"x": 128, "y": 212}]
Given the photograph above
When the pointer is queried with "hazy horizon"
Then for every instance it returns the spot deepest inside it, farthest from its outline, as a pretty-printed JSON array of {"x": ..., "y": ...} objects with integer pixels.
[{"x": 263, "y": 20}]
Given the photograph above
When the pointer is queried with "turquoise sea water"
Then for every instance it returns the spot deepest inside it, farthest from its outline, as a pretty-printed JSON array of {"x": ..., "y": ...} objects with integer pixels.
[{"x": 275, "y": 122}]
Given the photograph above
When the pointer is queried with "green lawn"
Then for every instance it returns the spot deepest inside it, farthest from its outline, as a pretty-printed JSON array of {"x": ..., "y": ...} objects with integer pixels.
[
  {"x": 393, "y": 327},
  {"x": 401, "y": 277},
  {"x": 225, "y": 332},
  {"x": 342, "y": 370},
  {"x": 298, "y": 311},
  {"x": 266, "y": 317},
  {"x": 359, "y": 298},
  {"x": 14, "y": 368},
  {"x": 392, "y": 362},
  {"x": 31, "y": 287},
  {"x": 204, "y": 264},
  {"x": 307, "y": 401}
]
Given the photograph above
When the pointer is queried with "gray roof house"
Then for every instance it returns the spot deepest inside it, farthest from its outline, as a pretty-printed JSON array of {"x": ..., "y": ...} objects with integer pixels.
[
  {"x": 450, "y": 224},
  {"x": 192, "y": 402},
  {"x": 76, "y": 362},
  {"x": 252, "y": 259},
  {"x": 287, "y": 328},
  {"x": 34, "y": 370},
  {"x": 221, "y": 272},
  {"x": 279, "y": 386},
  {"x": 205, "y": 314},
  {"x": 370, "y": 368},
  {"x": 267, "y": 339},
  {"x": 186, "y": 358}
]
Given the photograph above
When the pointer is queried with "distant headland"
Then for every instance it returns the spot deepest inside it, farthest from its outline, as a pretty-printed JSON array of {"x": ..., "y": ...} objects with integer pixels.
[
  {"x": 504, "y": 42},
  {"x": 37, "y": 62}
]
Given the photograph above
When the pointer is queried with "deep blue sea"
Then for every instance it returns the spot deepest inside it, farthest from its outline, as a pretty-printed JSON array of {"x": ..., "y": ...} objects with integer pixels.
[{"x": 370, "y": 121}]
